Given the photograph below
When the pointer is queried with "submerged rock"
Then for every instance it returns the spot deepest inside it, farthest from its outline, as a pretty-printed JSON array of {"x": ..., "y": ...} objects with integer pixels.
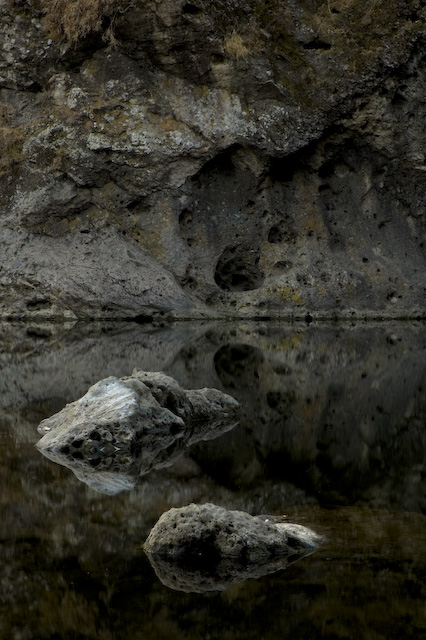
[
  {"x": 122, "y": 428},
  {"x": 207, "y": 548}
]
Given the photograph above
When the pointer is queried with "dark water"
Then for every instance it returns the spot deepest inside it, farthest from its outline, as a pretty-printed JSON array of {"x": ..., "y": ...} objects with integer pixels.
[{"x": 332, "y": 434}]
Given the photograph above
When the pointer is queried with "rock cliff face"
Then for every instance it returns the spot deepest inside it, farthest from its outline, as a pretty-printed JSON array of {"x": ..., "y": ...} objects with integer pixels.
[{"x": 190, "y": 159}]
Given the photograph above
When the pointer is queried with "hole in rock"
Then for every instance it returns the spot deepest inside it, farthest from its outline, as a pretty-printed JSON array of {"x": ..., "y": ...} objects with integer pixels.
[
  {"x": 274, "y": 399},
  {"x": 276, "y": 234},
  {"x": 238, "y": 270},
  {"x": 186, "y": 226},
  {"x": 35, "y": 87},
  {"x": 282, "y": 265},
  {"x": 133, "y": 204},
  {"x": 38, "y": 303},
  {"x": 175, "y": 428},
  {"x": 178, "y": 48},
  {"x": 192, "y": 9},
  {"x": 317, "y": 45},
  {"x": 171, "y": 403}
]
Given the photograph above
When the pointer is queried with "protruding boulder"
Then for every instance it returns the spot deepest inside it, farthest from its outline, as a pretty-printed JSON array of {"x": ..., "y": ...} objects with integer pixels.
[
  {"x": 201, "y": 548},
  {"x": 122, "y": 428}
]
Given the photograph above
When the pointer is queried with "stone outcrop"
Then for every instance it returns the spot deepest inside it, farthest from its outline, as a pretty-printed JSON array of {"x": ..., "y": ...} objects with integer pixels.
[
  {"x": 123, "y": 428},
  {"x": 199, "y": 159},
  {"x": 207, "y": 548}
]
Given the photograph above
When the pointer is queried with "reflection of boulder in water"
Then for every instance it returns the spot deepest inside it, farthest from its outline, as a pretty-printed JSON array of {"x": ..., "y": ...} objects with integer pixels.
[
  {"x": 202, "y": 548},
  {"x": 123, "y": 428}
]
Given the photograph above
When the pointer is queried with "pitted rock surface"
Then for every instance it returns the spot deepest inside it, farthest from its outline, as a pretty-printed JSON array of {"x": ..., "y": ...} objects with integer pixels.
[
  {"x": 122, "y": 428},
  {"x": 206, "y": 547},
  {"x": 232, "y": 158}
]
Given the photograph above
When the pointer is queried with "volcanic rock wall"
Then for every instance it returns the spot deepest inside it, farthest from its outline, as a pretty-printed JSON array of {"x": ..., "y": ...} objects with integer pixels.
[{"x": 211, "y": 159}]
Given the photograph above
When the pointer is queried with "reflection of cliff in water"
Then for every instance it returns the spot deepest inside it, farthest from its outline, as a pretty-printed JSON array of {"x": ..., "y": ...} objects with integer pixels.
[
  {"x": 337, "y": 411},
  {"x": 70, "y": 557}
]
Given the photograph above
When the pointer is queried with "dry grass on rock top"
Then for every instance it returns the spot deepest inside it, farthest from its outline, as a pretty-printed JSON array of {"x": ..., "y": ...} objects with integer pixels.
[{"x": 74, "y": 20}]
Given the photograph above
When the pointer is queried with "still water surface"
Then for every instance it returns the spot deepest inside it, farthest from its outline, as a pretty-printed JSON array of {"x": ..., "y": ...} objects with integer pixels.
[{"x": 332, "y": 434}]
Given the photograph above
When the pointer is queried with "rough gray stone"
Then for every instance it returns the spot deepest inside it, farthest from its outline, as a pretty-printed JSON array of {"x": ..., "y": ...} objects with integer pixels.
[
  {"x": 208, "y": 548},
  {"x": 123, "y": 428}
]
